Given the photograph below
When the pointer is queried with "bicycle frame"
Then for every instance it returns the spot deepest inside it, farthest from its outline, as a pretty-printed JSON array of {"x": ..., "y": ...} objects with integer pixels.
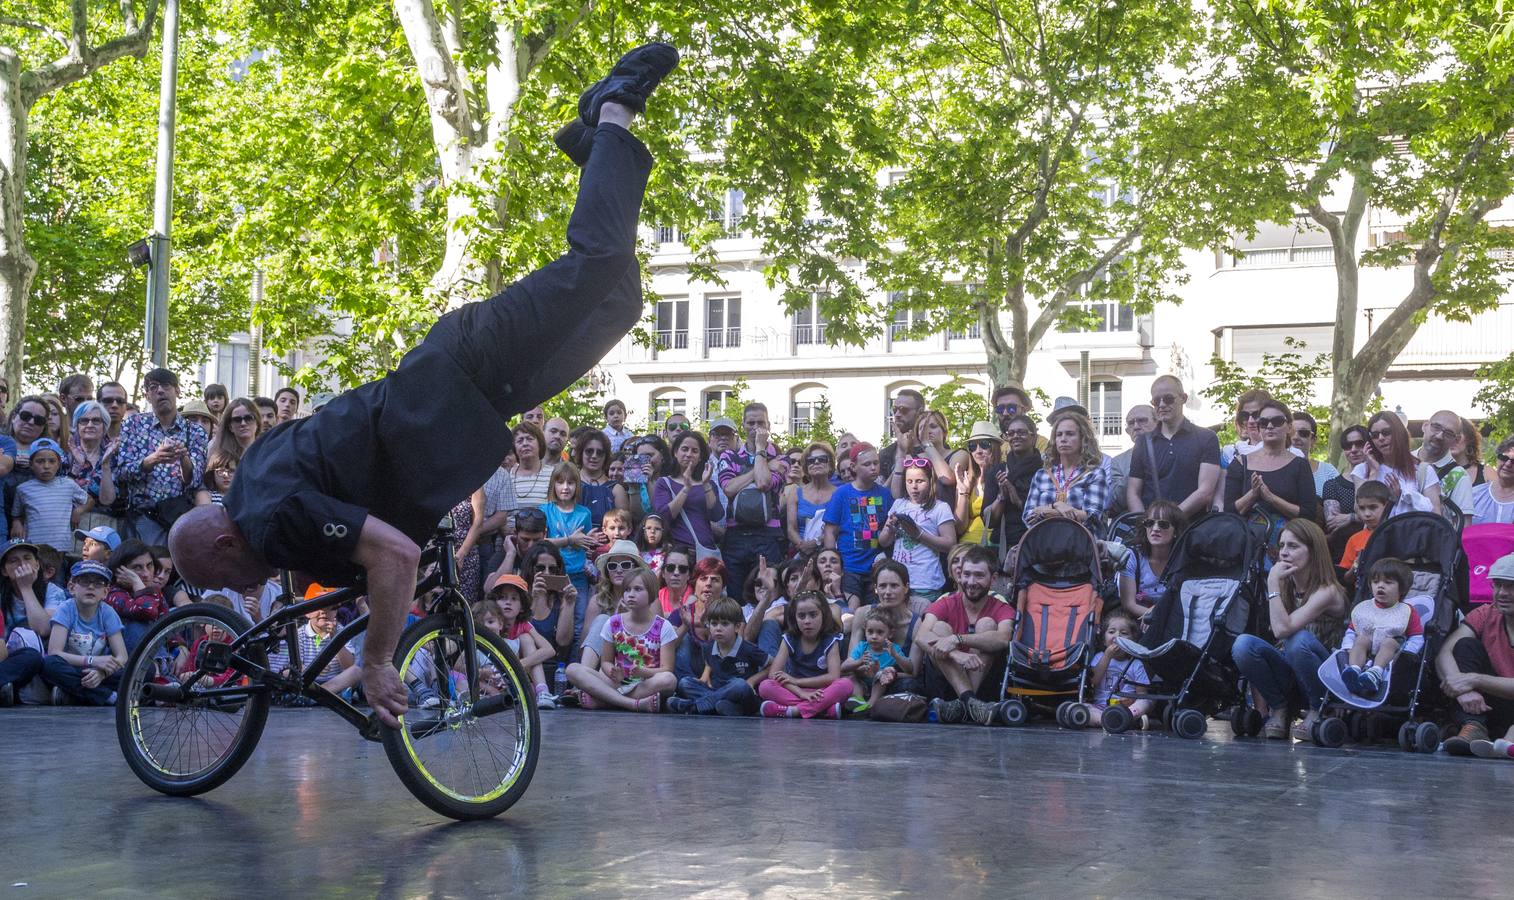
[{"x": 283, "y": 623}]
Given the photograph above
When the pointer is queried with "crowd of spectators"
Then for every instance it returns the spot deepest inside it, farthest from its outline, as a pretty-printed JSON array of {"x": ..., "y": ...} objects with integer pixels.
[{"x": 719, "y": 572}]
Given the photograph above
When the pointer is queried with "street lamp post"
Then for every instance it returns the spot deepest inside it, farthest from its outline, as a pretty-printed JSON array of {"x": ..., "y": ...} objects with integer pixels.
[{"x": 160, "y": 241}]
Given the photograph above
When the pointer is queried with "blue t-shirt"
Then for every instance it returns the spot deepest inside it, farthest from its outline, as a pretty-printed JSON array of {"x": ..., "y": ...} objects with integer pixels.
[
  {"x": 887, "y": 658},
  {"x": 561, "y": 524},
  {"x": 859, "y": 517},
  {"x": 811, "y": 664},
  {"x": 87, "y": 637}
]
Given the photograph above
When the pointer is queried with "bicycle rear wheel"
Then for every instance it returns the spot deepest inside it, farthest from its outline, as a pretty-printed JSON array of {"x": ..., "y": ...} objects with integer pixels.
[
  {"x": 461, "y": 761},
  {"x": 184, "y": 742}
]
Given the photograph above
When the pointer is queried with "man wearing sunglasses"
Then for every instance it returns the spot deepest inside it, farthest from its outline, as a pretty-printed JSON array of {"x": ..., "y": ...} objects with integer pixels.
[
  {"x": 112, "y": 396},
  {"x": 1175, "y": 461},
  {"x": 750, "y": 483},
  {"x": 354, "y": 492},
  {"x": 908, "y": 405},
  {"x": 1442, "y": 431},
  {"x": 1010, "y": 400}
]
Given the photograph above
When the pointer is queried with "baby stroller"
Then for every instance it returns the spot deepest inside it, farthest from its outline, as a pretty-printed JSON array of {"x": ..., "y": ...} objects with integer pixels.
[
  {"x": 1056, "y": 581},
  {"x": 1484, "y": 545},
  {"x": 1430, "y": 545},
  {"x": 1212, "y": 581}
]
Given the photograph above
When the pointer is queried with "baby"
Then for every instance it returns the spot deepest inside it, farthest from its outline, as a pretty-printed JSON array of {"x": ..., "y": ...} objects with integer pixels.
[
  {"x": 1380, "y": 628},
  {"x": 876, "y": 662}
]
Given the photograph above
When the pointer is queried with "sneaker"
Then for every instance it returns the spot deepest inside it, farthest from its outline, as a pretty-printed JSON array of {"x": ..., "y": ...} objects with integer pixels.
[
  {"x": 652, "y": 704},
  {"x": 980, "y": 712},
  {"x": 855, "y": 706},
  {"x": 771, "y": 710},
  {"x": 1351, "y": 677},
  {"x": 7, "y": 695},
  {"x": 427, "y": 697},
  {"x": 949, "y": 712},
  {"x": 1370, "y": 682},
  {"x": 545, "y": 700},
  {"x": 59, "y": 698},
  {"x": 834, "y": 712},
  {"x": 1499, "y": 749},
  {"x": 681, "y": 705},
  {"x": 1460, "y": 744},
  {"x": 632, "y": 80},
  {"x": 729, "y": 708}
]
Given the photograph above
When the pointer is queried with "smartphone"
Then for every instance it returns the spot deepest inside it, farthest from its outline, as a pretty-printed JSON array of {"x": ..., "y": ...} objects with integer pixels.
[
  {"x": 909, "y": 526},
  {"x": 556, "y": 583},
  {"x": 635, "y": 471}
]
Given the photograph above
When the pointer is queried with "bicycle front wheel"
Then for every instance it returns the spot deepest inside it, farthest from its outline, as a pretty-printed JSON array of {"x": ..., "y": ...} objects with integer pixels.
[
  {"x": 184, "y": 732},
  {"x": 464, "y": 757}
]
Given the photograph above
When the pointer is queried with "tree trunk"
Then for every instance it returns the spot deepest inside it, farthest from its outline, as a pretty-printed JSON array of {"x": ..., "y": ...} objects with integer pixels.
[{"x": 17, "y": 268}]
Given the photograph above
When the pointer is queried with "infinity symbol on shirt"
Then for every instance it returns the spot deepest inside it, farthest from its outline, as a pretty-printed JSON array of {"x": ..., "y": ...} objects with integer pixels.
[{"x": 333, "y": 530}]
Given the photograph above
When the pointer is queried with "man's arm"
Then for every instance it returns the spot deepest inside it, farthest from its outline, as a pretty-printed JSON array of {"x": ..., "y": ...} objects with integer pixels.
[
  {"x": 1133, "y": 487},
  {"x": 391, "y": 561},
  {"x": 1202, "y": 496},
  {"x": 989, "y": 637}
]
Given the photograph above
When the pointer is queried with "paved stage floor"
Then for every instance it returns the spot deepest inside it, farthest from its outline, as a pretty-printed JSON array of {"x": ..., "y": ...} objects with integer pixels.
[{"x": 673, "y": 807}]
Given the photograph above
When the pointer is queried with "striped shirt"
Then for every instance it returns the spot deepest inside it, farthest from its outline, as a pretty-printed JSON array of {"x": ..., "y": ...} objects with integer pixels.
[
  {"x": 532, "y": 490},
  {"x": 48, "y": 507}
]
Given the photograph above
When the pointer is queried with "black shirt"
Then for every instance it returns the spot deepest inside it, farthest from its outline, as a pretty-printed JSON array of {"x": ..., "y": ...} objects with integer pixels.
[
  {"x": 1177, "y": 462},
  {"x": 1021, "y": 470},
  {"x": 405, "y": 449}
]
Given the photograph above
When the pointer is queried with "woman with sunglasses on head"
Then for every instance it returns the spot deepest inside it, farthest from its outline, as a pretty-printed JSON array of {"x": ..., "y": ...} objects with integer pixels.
[
  {"x": 601, "y": 494},
  {"x": 1412, "y": 484},
  {"x": 1272, "y": 478},
  {"x": 1072, "y": 481},
  {"x": 1305, "y": 435},
  {"x": 804, "y": 503},
  {"x": 1141, "y": 583},
  {"x": 1493, "y": 500}
]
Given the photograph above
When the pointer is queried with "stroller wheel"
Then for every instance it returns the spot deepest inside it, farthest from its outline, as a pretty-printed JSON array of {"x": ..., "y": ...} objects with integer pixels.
[
  {"x": 1427, "y": 737},
  {"x": 1189, "y": 724},
  {"x": 1330, "y": 732},
  {"x": 1167, "y": 712},
  {"x": 1013, "y": 712},
  {"x": 1062, "y": 713},
  {"x": 1254, "y": 721},
  {"x": 1406, "y": 737},
  {"x": 1245, "y": 721},
  {"x": 1077, "y": 716},
  {"x": 1117, "y": 720}
]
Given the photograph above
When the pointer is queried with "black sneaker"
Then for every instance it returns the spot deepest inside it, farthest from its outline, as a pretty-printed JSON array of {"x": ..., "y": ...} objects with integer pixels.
[
  {"x": 729, "y": 708},
  {"x": 576, "y": 140},
  {"x": 631, "y": 82},
  {"x": 949, "y": 712},
  {"x": 681, "y": 705},
  {"x": 7, "y": 695}
]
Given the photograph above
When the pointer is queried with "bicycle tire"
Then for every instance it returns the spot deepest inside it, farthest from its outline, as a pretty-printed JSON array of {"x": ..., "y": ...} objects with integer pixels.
[
  {"x": 496, "y": 793},
  {"x": 149, "y": 761}
]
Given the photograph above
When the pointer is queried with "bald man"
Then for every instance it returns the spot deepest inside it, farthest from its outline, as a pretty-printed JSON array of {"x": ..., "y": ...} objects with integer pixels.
[
  {"x": 1442, "y": 431},
  {"x": 358, "y": 489},
  {"x": 1176, "y": 461}
]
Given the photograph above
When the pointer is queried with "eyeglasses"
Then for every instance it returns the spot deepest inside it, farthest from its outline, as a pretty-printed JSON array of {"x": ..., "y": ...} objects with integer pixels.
[
  {"x": 594, "y": 451},
  {"x": 1248, "y": 415},
  {"x": 1381, "y": 433},
  {"x": 113, "y": 401},
  {"x": 678, "y": 426},
  {"x": 915, "y": 462},
  {"x": 151, "y": 386},
  {"x": 1272, "y": 421},
  {"x": 243, "y": 420},
  {"x": 1158, "y": 524},
  {"x": 1440, "y": 429},
  {"x": 32, "y": 418},
  {"x": 92, "y": 420},
  {"x": 981, "y": 445},
  {"x": 546, "y": 567},
  {"x": 1017, "y": 433},
  {"x": 819, "y": 459},
  {"x": 622, "y": 565},
  {"x": 1164, "y": 400},
  {"x": 675, "y": 568},
  {"x": 1304, "y": 432},
  {"x": 1506, "y": 459},
  {"x": 1007, "y": 409},
  {"x": 1355, "y": 445}
]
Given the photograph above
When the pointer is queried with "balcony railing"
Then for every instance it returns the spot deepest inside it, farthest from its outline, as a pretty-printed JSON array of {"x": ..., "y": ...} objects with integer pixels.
[
  {"x": 716, "y": 338},
  {"x": 809, "y": 334},
  {"x": 673, "y": 340},
  {"x": 1109, "y": 424}
]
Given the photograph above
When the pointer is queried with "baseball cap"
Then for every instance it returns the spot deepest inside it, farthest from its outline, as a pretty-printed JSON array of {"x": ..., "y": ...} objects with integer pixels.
[
  {"x": 1502, "y": 569},
  {"x": 102, "y": 533},
  {"x": 315, "y": 590},
  {"x": 47, "y": 444},
  {"x": 16, "y": 544},
  {"x": 505, "y": 579},
  {"x": 90, "y": 567},
  {"x": 722, "y": 422}
]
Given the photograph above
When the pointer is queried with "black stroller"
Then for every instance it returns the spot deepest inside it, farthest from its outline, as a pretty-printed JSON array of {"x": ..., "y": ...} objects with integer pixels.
[
  {"x": 1212, "y": 582},
  {"x": 1431, "y": 547}
]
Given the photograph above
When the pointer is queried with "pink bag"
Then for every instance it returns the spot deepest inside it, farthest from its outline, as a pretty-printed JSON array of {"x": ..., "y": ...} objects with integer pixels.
[{"x": 1485, "y": 545}]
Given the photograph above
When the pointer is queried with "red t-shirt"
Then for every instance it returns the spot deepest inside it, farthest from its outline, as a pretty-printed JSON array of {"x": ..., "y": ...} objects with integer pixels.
[
  {"x": 1487, "y": 624},
  {"x": 1354, "y": 548},
  {"x": 950, "y": 609},
  {"x": 518, "y": 629}
]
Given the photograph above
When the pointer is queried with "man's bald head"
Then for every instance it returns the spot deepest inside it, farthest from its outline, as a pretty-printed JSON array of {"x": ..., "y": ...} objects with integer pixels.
[
  {"x": 210, "y": 552},
  {"x": 1442, "y": 431},
  {"x": 556, "y": 431}
]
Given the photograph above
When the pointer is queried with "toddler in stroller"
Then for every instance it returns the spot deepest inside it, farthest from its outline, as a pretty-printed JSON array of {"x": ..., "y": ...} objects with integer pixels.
[{"x": 1381, "y": 629}]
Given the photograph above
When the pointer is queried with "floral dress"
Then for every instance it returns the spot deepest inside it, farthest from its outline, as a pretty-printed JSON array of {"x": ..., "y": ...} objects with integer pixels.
[{"x": 469, "y": 573}]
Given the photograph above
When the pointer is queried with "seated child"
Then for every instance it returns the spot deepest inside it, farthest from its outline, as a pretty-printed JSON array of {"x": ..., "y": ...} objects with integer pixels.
[
  {"x": 184, "y": 663},
  {"x": 86, "y": 651},
  {"x": 804, "y": 679},
  {"x": 1114, "y": 670},
  {"x": 636, "y": 651},
  {"x": 1380, "y": 628},
  {"x": 616, "y": 526},
  {"x": 1372, "y": 502},
  {"x": 506, "y": 606},
  {"x": 876, "y": 661},
  {"x": 318, "y": 630},
  {"x": 48, "y": 506},
  {"x": 135, "y": 596},
  {"x": 732, "y": 668},
  {"x": 98, "y": 543},
  {"x": 653, "y": 542}
]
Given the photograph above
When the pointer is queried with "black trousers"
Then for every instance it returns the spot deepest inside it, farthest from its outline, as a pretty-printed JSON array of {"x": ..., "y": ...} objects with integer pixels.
[
  {"x": 1472, "y": 657},
  {"x": 542, "y": 333}
]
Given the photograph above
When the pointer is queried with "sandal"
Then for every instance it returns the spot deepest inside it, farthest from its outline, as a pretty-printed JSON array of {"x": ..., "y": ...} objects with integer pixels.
[
  {"x": 1275, "y": 729},
  {"x": 1303, "y": 731}
]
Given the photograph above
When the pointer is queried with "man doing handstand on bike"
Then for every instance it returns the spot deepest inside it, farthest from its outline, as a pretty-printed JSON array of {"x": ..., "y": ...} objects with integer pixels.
[{"x": 358, "y": 488}]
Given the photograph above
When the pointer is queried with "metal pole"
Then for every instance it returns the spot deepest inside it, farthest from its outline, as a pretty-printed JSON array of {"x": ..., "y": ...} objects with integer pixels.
[{"x": 160, "y": 239}]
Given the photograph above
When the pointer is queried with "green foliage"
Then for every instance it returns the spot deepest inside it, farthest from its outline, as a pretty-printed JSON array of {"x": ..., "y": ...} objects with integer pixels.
[
  {"x": 1289, "y": 377},
  {"x": 1496, "y": 397},
  {"x": 581, "y": 404},
  {"x": 961, "y": 405},
  {"x": 730, "y": 408},
  {"x": 822, "y": 426}
]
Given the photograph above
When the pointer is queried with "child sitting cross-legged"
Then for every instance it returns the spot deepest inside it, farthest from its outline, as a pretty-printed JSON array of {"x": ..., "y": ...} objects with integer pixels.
[
  {"x": 876, "y": 661},
  {"x": 805, "y": 678},
  {"x": 316, "y": 634},
  {"x": 85, "y": 649},
  {"x": 505, "y": 612},
  {"x": 1380, "y": 627},
  {"x": 733, "y": 668},
  {"x": 636, "y": 648},
  {"x": 1114, "y": 669}
]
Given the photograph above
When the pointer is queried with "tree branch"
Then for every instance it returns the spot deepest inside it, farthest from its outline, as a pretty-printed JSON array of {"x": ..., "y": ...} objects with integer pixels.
[
  {"x": 1052, "y": 311},
  {"x": 39, "y": 27},
  {"x": 81, "y": 60},
  {"x": 539, "y": 45}
]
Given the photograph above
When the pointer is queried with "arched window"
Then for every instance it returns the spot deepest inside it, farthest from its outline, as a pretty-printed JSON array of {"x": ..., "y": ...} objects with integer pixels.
[
  {"x": 665, "y": 402},
  {"x": 804, "y": 401}
]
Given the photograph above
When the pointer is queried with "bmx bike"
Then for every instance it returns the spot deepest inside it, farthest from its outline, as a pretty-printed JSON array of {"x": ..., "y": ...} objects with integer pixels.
[{"x": 194, "y": 696}]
